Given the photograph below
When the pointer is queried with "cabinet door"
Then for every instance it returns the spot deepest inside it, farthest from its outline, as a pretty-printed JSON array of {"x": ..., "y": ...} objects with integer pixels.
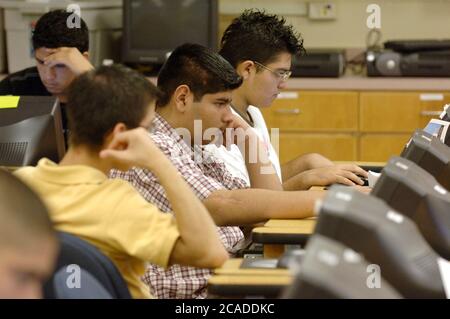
[
  {"x": 314, "y": 111},
  {"x": 403, "y": 112},
  {"x": 338, "y": 147},
  {"x": 381, "y": 147}
]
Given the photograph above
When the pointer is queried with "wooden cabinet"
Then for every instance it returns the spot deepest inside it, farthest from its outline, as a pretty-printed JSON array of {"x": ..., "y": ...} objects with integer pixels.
[
  {"x": 350, "y": 125},
  {"x": 387, "y": 120},
  {"x": 380, "y": 147},
  {"x": 338, "y": 146},
  {"x": 315, "y": 121},
  {"x": 399, "y": 111},
  {"x": 314, "y": 111}
]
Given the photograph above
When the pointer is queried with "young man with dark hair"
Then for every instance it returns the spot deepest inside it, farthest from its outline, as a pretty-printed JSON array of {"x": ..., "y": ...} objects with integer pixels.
[
  {"x": 28, "y": 244},
  {"x": 198, "y": 84},
  {"x": 61, "y": 54},
  {"x": 110, "y": 111},
  {"x": 260, "y": 47}
]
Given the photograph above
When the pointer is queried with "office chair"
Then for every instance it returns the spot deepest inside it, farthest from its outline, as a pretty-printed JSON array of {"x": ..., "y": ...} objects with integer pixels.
[
  {"x": 97, "y": 272},
  {"x": 89, "y": 287}
]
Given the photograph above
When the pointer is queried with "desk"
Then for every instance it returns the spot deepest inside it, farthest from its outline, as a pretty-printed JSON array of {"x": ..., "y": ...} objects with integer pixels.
[
  {"x": 279, "y": 232},
  {"x": 232, "y": 267},
  {"x": 232, "y": 281}
]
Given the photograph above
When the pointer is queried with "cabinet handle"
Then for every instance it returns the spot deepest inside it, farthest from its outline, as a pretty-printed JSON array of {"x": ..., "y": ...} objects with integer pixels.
[
  {"x": 430, "y": 113},
  {"x": 288, "y": 111}
]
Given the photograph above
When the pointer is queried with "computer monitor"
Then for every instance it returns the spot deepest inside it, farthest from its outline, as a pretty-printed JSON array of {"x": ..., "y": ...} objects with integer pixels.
[
  {"x": 331, "y": 270},
  {"x": 445, "y": 115},
  {"x": 428, "y": 152},
  {"x": 384, "y": 237},
  {"x": 167, "y": 24},
  {"x": 30, "y": 129},
  {"x": 415, "y": 193},
  {"x": 439, "y": 129}
]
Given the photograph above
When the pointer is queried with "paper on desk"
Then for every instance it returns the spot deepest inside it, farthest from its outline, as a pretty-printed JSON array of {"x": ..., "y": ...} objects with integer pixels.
[
  {"x": 9, "y": 102},
  {"x": 373, "y": 178},
  {"x": 444, "y": 267}
]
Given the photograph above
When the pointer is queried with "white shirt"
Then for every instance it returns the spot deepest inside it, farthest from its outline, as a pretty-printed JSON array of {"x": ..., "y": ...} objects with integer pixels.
[{"x": 233, "y": 158}]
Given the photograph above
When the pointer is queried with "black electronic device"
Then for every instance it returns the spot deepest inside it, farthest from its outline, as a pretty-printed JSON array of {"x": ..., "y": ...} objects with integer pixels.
[
  {"x": 30, "y": 130},
  {"x": 385, "y": 238}
]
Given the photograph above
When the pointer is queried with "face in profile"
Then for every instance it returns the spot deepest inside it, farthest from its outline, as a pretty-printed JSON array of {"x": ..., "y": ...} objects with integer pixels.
[
  {"x": 267, "y": 83},
  {"x": 214, "y": 111},
  {"x": 56, "y": 79},
  {"x": 23, "y": 270}
]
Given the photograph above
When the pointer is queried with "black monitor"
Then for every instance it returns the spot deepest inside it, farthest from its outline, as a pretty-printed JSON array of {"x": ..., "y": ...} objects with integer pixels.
[
  {"x": 31, "y": 130},
  {"x": 384, "y": 237},
  {"x": 415, "y": 193},
  {"x": 154, "y": 28},
  {"x": 331, "y": 270},
  {"x": 428, "y": 152}
]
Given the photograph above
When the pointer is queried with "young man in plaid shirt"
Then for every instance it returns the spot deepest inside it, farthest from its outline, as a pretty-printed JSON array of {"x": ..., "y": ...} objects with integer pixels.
[{"x": 197, "y": 85}]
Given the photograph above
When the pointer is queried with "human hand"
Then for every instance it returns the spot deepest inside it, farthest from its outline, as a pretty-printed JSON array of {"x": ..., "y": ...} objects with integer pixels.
[
  {"x": 238, "y": 132},
  {"x": 69, "y": 57},
  {"x": 134, "y": 148},
  {"x": 346, "y": 174}
]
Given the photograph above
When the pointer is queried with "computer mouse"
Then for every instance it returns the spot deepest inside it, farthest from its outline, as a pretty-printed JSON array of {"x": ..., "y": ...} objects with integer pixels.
[{"x": 290, "y": 257}]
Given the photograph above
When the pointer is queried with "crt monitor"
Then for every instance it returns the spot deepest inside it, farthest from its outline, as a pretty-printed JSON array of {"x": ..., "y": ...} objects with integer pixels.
[
  {"x": 154, "y": 28},
  {"x": 439, "y": 128},
  {"x": 428, "y": 152},
  {"x": 445, "y": 115},
  {"x": 384, "y": 237},
  {"x": 30, "y": 129},
  {"x": 331, "y": 270},
  {"x": 415, "y": 193}
]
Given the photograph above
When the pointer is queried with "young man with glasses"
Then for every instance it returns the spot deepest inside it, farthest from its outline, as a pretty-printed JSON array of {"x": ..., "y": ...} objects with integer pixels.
[{"x": 260, "y": 47}]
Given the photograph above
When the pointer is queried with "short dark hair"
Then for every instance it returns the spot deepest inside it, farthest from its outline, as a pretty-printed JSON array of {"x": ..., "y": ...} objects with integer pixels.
[
  {"x": 52, "y": 31},
  {"x": 23, "y": 214},
  {"x": 101, "y": 98},
  {"x": 200, "y": 68},
  {"x": 258, "y": 36}
]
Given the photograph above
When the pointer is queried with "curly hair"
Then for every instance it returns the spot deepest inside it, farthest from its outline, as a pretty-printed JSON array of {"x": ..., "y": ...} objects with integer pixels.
[
  {"x": 51, "y": 31},
  {"x": 258, "y": 36}
]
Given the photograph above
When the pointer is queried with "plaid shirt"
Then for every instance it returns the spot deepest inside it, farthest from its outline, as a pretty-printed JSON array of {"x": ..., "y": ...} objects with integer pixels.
[{"x": 204, "y": 174}]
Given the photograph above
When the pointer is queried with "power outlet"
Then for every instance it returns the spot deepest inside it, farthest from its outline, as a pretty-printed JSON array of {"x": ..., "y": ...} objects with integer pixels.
[{"x": 322, "y": 10}]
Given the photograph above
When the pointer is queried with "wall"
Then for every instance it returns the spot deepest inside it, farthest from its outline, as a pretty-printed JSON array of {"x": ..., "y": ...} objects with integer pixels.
[{"x": 400, "y": 19}]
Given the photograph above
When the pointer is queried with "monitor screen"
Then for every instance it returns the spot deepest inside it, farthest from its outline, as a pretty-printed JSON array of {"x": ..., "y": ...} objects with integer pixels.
[
  {"x": 167, "y": 24},
  {"x": 437, "y": 128},
  {"x": 384, "y": 237},
  {"x": 30, "y": 129}
]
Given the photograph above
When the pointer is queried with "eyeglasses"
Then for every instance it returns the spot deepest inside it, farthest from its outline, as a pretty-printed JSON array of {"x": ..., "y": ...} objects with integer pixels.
[{"x": 283, "y": 75}]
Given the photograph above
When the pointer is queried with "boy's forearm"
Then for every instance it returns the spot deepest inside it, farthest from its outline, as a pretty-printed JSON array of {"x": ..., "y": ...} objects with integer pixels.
[
  {"x": 252, "y": 206},
  {"x": 303, "y": 163},
  {"x": 197, "y": 229}
]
